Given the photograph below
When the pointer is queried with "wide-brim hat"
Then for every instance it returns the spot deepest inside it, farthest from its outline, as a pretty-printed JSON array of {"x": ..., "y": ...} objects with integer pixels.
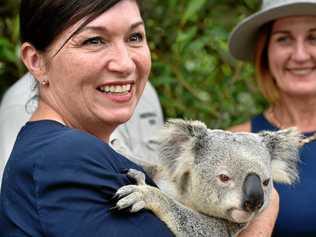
[{"x": 243, "y": 38}]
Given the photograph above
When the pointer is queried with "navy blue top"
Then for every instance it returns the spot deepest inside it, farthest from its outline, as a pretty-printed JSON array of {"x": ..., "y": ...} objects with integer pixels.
[
  {"x": 297, "y": 216},
  {"x": 59, "y": 182}
]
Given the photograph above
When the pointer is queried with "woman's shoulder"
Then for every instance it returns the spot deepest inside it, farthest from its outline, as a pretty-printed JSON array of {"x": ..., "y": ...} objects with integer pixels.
[
  {"x": 52, "y": 135},
  {"x": 70, "y": 155},
  {"x": 243, "y": 127},
  {"x": 257, "y": 123},
  {"x": 49, "y": 148},
  {"x": 49, "y": 143}
]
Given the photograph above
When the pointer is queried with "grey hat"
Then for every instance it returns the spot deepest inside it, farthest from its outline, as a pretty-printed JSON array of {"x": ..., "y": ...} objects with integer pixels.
[{"x": 243, "y": 38}]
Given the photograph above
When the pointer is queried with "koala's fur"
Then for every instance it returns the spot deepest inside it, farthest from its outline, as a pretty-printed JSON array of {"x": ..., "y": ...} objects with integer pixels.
[{"x": 213, "y": 182}]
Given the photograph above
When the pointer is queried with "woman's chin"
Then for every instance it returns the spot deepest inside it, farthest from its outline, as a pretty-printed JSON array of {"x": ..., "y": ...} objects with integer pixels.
[{"x": 118, "y": 117}]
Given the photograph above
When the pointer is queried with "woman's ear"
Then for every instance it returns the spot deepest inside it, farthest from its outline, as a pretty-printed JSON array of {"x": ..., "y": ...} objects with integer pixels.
[{"x": 34, "y": 61}]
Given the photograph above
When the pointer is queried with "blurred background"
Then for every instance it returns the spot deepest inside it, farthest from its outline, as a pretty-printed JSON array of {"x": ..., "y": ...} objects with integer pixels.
[{"x": 192, "y": 71}]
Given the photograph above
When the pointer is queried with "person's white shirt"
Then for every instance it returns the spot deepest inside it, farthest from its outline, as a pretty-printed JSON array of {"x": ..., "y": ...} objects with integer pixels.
[{"x": 19, "y": 102}]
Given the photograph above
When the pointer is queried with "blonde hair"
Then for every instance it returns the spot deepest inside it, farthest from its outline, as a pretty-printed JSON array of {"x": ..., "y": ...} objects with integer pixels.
[{"x": 264, "y": 78}]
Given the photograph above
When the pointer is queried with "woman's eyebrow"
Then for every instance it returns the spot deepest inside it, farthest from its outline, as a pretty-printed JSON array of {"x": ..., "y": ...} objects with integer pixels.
[
  {"x": 136, "y": 24},
  {"x": 104, "y": 29},
  {"x": 280, "y": 32},
  {"x": 312, "y": 30},
  {"x": 288, "y": 32}
]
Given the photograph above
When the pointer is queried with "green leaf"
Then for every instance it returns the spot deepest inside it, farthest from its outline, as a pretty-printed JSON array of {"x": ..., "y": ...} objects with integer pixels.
[
  {"x": 7, "y": 51},
  {"x": 192, "y": 9}
]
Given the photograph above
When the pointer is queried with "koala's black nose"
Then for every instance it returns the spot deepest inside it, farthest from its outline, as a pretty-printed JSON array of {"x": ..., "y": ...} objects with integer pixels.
[{"x": 253, "y": 193}]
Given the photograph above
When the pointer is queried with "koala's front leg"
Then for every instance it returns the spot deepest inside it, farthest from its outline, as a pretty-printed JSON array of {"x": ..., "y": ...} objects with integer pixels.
[{"x": 181, "y": 220}]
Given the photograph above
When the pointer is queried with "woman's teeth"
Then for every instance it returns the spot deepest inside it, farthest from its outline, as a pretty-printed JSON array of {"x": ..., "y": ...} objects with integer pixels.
[
  {"x": 116, "y": 88},
  {"x": 302, "y": 72}
]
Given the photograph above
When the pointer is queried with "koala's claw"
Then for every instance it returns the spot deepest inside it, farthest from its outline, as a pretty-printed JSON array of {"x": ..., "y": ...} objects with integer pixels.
[
  {"x": 124, "y": 191},
  {"x": 135, "y": 197},
  {"x": 137, "y": 175},
  {"x": 130, "y": 197}
]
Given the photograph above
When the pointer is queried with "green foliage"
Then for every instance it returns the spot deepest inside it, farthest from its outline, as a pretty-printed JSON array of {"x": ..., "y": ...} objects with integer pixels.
[
  {"x": 195, "y": 76},
  {"x": 11, "y": 67},
  {"x": 192, "y": 70}
]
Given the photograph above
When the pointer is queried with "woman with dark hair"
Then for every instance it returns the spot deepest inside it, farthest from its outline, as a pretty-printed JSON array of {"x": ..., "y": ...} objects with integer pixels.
[{"x": 92, "y": 62}]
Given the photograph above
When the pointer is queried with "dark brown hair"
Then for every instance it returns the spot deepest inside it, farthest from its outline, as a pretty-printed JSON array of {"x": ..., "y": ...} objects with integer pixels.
[{"x": 42, "y": 21}]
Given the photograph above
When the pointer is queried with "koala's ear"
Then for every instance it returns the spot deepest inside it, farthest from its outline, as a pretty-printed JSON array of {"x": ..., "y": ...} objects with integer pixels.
[
  {"x": 284, "y": 149},
  {"x": 181, "y": 131},
  {"x": 176, "y": 139}
]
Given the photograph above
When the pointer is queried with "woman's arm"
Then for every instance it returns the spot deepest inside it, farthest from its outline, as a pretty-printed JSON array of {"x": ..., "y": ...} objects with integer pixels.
[
  {"x": 262, "y": 226},
  {"x": 75, "y": 184}
]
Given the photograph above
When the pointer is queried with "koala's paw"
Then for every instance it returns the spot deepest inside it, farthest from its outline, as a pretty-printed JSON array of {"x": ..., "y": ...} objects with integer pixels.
[
  {"x": 137, "y": 175},
  {"x": 130, "y": 196},
  {"x": 134, "y": 197}
]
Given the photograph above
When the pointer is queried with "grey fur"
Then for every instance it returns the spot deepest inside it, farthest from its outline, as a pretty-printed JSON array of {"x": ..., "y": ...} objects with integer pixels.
[{"x": 201, "y": 176}]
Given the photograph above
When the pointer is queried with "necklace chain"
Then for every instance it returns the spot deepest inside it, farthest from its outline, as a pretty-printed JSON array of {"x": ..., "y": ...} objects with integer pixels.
[{"x": 275, "y": 120}]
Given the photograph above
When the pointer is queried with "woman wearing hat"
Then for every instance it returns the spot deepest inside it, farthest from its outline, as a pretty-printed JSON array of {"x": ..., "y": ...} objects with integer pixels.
[{"x": 280, "y": 39}]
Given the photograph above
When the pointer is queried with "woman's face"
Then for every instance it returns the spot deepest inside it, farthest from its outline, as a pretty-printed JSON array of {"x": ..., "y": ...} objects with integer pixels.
[
  {"x": 292, "y": 55},
  {"x": 97, "y": 78}
]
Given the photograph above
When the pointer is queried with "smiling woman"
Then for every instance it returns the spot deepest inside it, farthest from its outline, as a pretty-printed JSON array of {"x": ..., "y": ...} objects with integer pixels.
[
  {"x": 112, "y": 53},
  {"x": 292, "y": 50},
  {"x": 281, "y": 40},
  {"x": 91, "y": 61}
]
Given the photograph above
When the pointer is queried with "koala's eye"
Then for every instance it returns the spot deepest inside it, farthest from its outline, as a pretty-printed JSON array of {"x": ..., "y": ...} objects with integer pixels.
[
  {"x": 224, "y": 178},
  {"x": 266, "y": 182}
]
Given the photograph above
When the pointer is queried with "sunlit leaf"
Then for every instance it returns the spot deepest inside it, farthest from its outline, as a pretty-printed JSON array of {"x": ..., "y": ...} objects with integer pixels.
[{"x": 192, "y": 9}]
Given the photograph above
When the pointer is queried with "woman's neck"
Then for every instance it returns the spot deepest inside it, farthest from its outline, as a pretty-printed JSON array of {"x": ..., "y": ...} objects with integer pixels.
[
  {"x": 44, "y": 111},
  {"x": 293, "y": 112}
]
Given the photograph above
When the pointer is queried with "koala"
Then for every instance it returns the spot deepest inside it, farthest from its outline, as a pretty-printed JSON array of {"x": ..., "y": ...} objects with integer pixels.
[{"x": 212, "y": 182}]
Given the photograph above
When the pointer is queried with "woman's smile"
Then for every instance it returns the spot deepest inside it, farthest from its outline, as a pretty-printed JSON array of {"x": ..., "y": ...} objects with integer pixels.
[
  {"x": 301, "y": 71},
  {"x": 119, "y": 92}
]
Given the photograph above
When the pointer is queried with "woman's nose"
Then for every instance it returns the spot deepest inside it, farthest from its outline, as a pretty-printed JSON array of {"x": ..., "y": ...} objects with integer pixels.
[
  {"x": 300, "y": 53},
  {"x": 121, "y": 61}
]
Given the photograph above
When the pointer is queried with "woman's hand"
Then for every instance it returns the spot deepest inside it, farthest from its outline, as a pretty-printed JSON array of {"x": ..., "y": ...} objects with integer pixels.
[{"x": 262, "y": 226}]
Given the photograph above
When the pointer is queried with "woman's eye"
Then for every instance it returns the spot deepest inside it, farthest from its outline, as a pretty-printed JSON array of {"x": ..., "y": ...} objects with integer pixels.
[
  {"x": 136, "y": 37},
  {"x": 283, "y": 39},
  {"x": 93, "y": 41},
  {"x": 312, "y": 38}
]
